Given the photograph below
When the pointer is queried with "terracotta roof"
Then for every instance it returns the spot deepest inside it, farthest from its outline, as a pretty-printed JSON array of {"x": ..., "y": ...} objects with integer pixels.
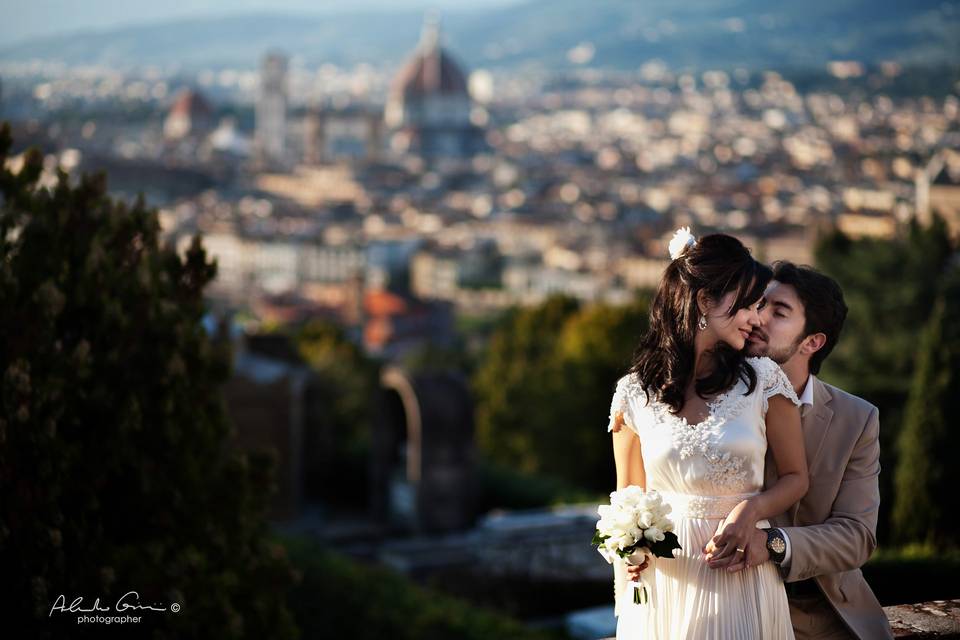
[{"x": 384, "y": 303}]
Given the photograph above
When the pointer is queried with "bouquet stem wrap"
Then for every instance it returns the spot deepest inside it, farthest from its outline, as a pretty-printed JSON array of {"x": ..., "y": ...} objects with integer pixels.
[{"x": 642, "y": 588}]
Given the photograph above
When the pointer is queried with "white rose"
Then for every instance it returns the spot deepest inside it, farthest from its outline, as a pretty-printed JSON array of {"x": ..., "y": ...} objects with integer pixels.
[
  {"x": 647, "y": 519},
  {"x": 653, "y": 534},
  {"x": 644, "y": 504},
  {"x": 630, "y": 497},
  {"x": 638, "y": 557},
  {"x": 624, "y": 520},
  {"x": 663, "y": 524}
]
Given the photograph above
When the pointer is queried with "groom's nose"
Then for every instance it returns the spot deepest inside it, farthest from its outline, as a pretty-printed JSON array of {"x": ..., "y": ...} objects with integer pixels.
[{"x": 762, "y": 317}]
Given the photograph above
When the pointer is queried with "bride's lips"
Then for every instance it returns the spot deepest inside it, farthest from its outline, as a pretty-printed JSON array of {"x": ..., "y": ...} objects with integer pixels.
[{"x": 745, "y": 334}]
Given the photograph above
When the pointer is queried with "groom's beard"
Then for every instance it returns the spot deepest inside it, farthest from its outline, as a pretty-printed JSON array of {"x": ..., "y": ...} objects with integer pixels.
[{"x": 778, "y": 355}]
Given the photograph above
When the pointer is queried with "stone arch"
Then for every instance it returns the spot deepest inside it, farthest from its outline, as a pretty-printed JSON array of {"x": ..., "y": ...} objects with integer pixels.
[{"x": 424, "y": 424}]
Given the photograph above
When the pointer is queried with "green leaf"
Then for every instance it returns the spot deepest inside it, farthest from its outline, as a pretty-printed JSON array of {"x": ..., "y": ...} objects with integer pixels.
[{"x": 664, "y": 548}]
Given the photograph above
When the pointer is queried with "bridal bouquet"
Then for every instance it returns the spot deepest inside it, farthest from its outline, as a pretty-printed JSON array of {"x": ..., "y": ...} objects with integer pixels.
[{"x": 634, "y": 526}]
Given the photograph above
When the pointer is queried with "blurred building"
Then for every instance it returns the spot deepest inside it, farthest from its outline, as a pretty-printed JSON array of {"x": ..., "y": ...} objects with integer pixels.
[
  {"x": 428, "y": 109},
  {"x": 442, "y": 272},
  {"x": 271, "y": 109},
  {"x": 345, "y": 134},
  {"x": 190, "y": 116},
  {"x": 938, "y": 190},
  {"x": 395, "y": 324}
]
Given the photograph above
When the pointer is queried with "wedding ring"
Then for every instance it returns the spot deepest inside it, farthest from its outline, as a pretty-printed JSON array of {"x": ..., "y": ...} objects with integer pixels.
[{"x": 739, "y": 549}]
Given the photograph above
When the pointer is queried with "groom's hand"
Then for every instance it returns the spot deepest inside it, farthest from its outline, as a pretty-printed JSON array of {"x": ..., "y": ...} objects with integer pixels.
[{"x": 755, "y": 554}]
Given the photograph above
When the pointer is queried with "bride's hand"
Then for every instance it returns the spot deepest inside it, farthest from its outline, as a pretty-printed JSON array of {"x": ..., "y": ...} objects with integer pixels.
[
  {"x": 756, "y": 554},
  {"x": 733, "y": 533},
  {"x": 634, "y": 571}
]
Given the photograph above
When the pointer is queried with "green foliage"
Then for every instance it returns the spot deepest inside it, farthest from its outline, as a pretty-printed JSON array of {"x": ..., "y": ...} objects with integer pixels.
[
  {"x": 544, "y": 386},
  {"x": 930, "y": 571},
  {"x": 926, "y": 478},
  {"x": 890, "y": 287},
  {"x": 433, "y": 357},
  {"x": 347, "y": 379},
  {"x": 505, "y": 488},
  {"x": 113, "y": 471},
  {"x": 339, "y": 598}
]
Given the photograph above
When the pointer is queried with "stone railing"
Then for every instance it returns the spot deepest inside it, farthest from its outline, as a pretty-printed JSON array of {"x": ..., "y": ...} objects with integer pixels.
[{"x": 938, "y": 620}]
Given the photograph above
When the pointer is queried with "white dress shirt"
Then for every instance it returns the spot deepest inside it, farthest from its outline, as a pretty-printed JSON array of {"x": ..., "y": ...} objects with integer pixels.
[{"x": 806, "y": 401}]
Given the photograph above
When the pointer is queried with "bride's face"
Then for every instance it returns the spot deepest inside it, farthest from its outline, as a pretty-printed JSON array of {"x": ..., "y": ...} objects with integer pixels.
[{"x": 735, "y": 329}]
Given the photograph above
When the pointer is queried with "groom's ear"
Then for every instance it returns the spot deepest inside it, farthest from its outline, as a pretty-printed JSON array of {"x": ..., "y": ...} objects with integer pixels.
[{"x": 813, "y": 343}]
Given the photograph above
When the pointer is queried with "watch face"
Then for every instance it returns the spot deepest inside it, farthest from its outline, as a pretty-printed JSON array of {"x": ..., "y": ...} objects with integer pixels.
[{"x": 778, "y": 545}]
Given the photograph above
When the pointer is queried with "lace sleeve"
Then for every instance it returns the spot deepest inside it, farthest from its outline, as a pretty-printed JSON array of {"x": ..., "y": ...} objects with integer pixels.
[
  {"x": 774, "y": 382},
  {"x": 620, "y": 405}
]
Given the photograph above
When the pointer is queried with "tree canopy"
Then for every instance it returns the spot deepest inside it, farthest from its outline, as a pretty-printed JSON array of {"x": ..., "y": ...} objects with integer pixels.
[{"x": 116, "y": 472}]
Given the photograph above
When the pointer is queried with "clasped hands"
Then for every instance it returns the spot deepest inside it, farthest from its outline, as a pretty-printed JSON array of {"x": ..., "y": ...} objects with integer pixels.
[{"x": 737, "y": 544}]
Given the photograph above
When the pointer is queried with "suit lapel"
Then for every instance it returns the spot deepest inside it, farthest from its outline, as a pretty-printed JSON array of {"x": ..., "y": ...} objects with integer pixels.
[{"x": 815, "y": 425}]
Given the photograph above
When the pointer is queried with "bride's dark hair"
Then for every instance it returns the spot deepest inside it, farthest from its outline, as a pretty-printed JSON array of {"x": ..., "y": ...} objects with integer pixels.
[{"x": 664, "y": 359}]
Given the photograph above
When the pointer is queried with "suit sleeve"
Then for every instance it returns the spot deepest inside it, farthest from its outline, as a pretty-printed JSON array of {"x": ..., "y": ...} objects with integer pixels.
[{"x": 848, "y": 537}]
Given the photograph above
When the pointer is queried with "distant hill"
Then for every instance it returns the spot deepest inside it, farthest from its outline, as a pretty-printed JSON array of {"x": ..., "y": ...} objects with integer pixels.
[{"x": 694, "y": 33}]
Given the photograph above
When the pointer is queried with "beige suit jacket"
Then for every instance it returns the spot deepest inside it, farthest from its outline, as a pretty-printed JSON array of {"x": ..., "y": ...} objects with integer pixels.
[{"x": 833, "y": 528}]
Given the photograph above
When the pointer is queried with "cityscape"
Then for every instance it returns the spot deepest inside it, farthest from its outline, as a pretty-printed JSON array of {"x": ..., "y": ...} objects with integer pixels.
[
  {"x": 419, "y": 218},
  {"x": 435, "y": 189}
]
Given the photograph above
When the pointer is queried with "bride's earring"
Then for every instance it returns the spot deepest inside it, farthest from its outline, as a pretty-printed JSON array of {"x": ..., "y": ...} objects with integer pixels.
[{"x": 702, "y": 323}]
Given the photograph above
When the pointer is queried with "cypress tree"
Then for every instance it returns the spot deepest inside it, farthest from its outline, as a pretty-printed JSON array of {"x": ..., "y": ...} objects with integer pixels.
[
  {"x": 115, "y": 469},
  {"x": 926, "y": 476}
]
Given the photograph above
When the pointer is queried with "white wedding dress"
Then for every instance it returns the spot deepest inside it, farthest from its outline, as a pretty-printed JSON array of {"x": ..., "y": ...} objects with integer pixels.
[{"x": 703, "y": 471}]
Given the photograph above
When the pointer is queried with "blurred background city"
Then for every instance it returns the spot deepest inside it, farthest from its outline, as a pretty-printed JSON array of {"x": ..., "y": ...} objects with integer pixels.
[{"x": 435, "y": 230}]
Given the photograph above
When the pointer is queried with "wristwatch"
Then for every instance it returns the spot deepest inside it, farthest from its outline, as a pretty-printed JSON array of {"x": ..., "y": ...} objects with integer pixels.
[{"x": 776, "y": 545}]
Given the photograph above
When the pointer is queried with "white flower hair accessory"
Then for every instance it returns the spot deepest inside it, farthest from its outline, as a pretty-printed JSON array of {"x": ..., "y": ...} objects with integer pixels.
[{"x": 682, "y": 238}]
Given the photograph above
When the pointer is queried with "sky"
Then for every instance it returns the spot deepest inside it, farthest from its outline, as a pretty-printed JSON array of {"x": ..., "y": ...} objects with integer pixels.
[{"x": 27, "y": 19}]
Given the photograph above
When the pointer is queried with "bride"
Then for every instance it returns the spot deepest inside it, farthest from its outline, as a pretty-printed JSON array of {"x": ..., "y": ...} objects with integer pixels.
[{"x": 700, "y": 416}]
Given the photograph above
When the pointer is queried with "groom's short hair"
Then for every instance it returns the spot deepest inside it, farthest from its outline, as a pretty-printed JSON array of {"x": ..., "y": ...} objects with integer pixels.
[{"x": 823, "y": 304}]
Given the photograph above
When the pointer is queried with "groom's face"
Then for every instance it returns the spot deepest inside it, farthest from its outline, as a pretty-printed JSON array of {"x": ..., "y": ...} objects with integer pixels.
[{"x": 781, "y": 324}]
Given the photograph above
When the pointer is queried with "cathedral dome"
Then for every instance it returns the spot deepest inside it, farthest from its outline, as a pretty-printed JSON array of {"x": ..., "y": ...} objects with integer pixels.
[
  {"x": 191, "y": 104},
  {"x": 431, "y": 70},
  {"x": 190, "y": 115}
]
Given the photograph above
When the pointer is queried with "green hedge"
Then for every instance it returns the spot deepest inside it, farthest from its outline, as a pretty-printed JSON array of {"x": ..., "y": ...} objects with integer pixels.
[
  {"x": 914, "y": 573},
  {"x": 341, "y": 598},
  {"x": 502, "y": 487}
]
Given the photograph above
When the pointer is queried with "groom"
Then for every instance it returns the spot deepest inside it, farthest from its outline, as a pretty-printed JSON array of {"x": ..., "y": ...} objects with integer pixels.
[
  {"x": 821, "y": 542},
  {"x": 831, "y": 532}
]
